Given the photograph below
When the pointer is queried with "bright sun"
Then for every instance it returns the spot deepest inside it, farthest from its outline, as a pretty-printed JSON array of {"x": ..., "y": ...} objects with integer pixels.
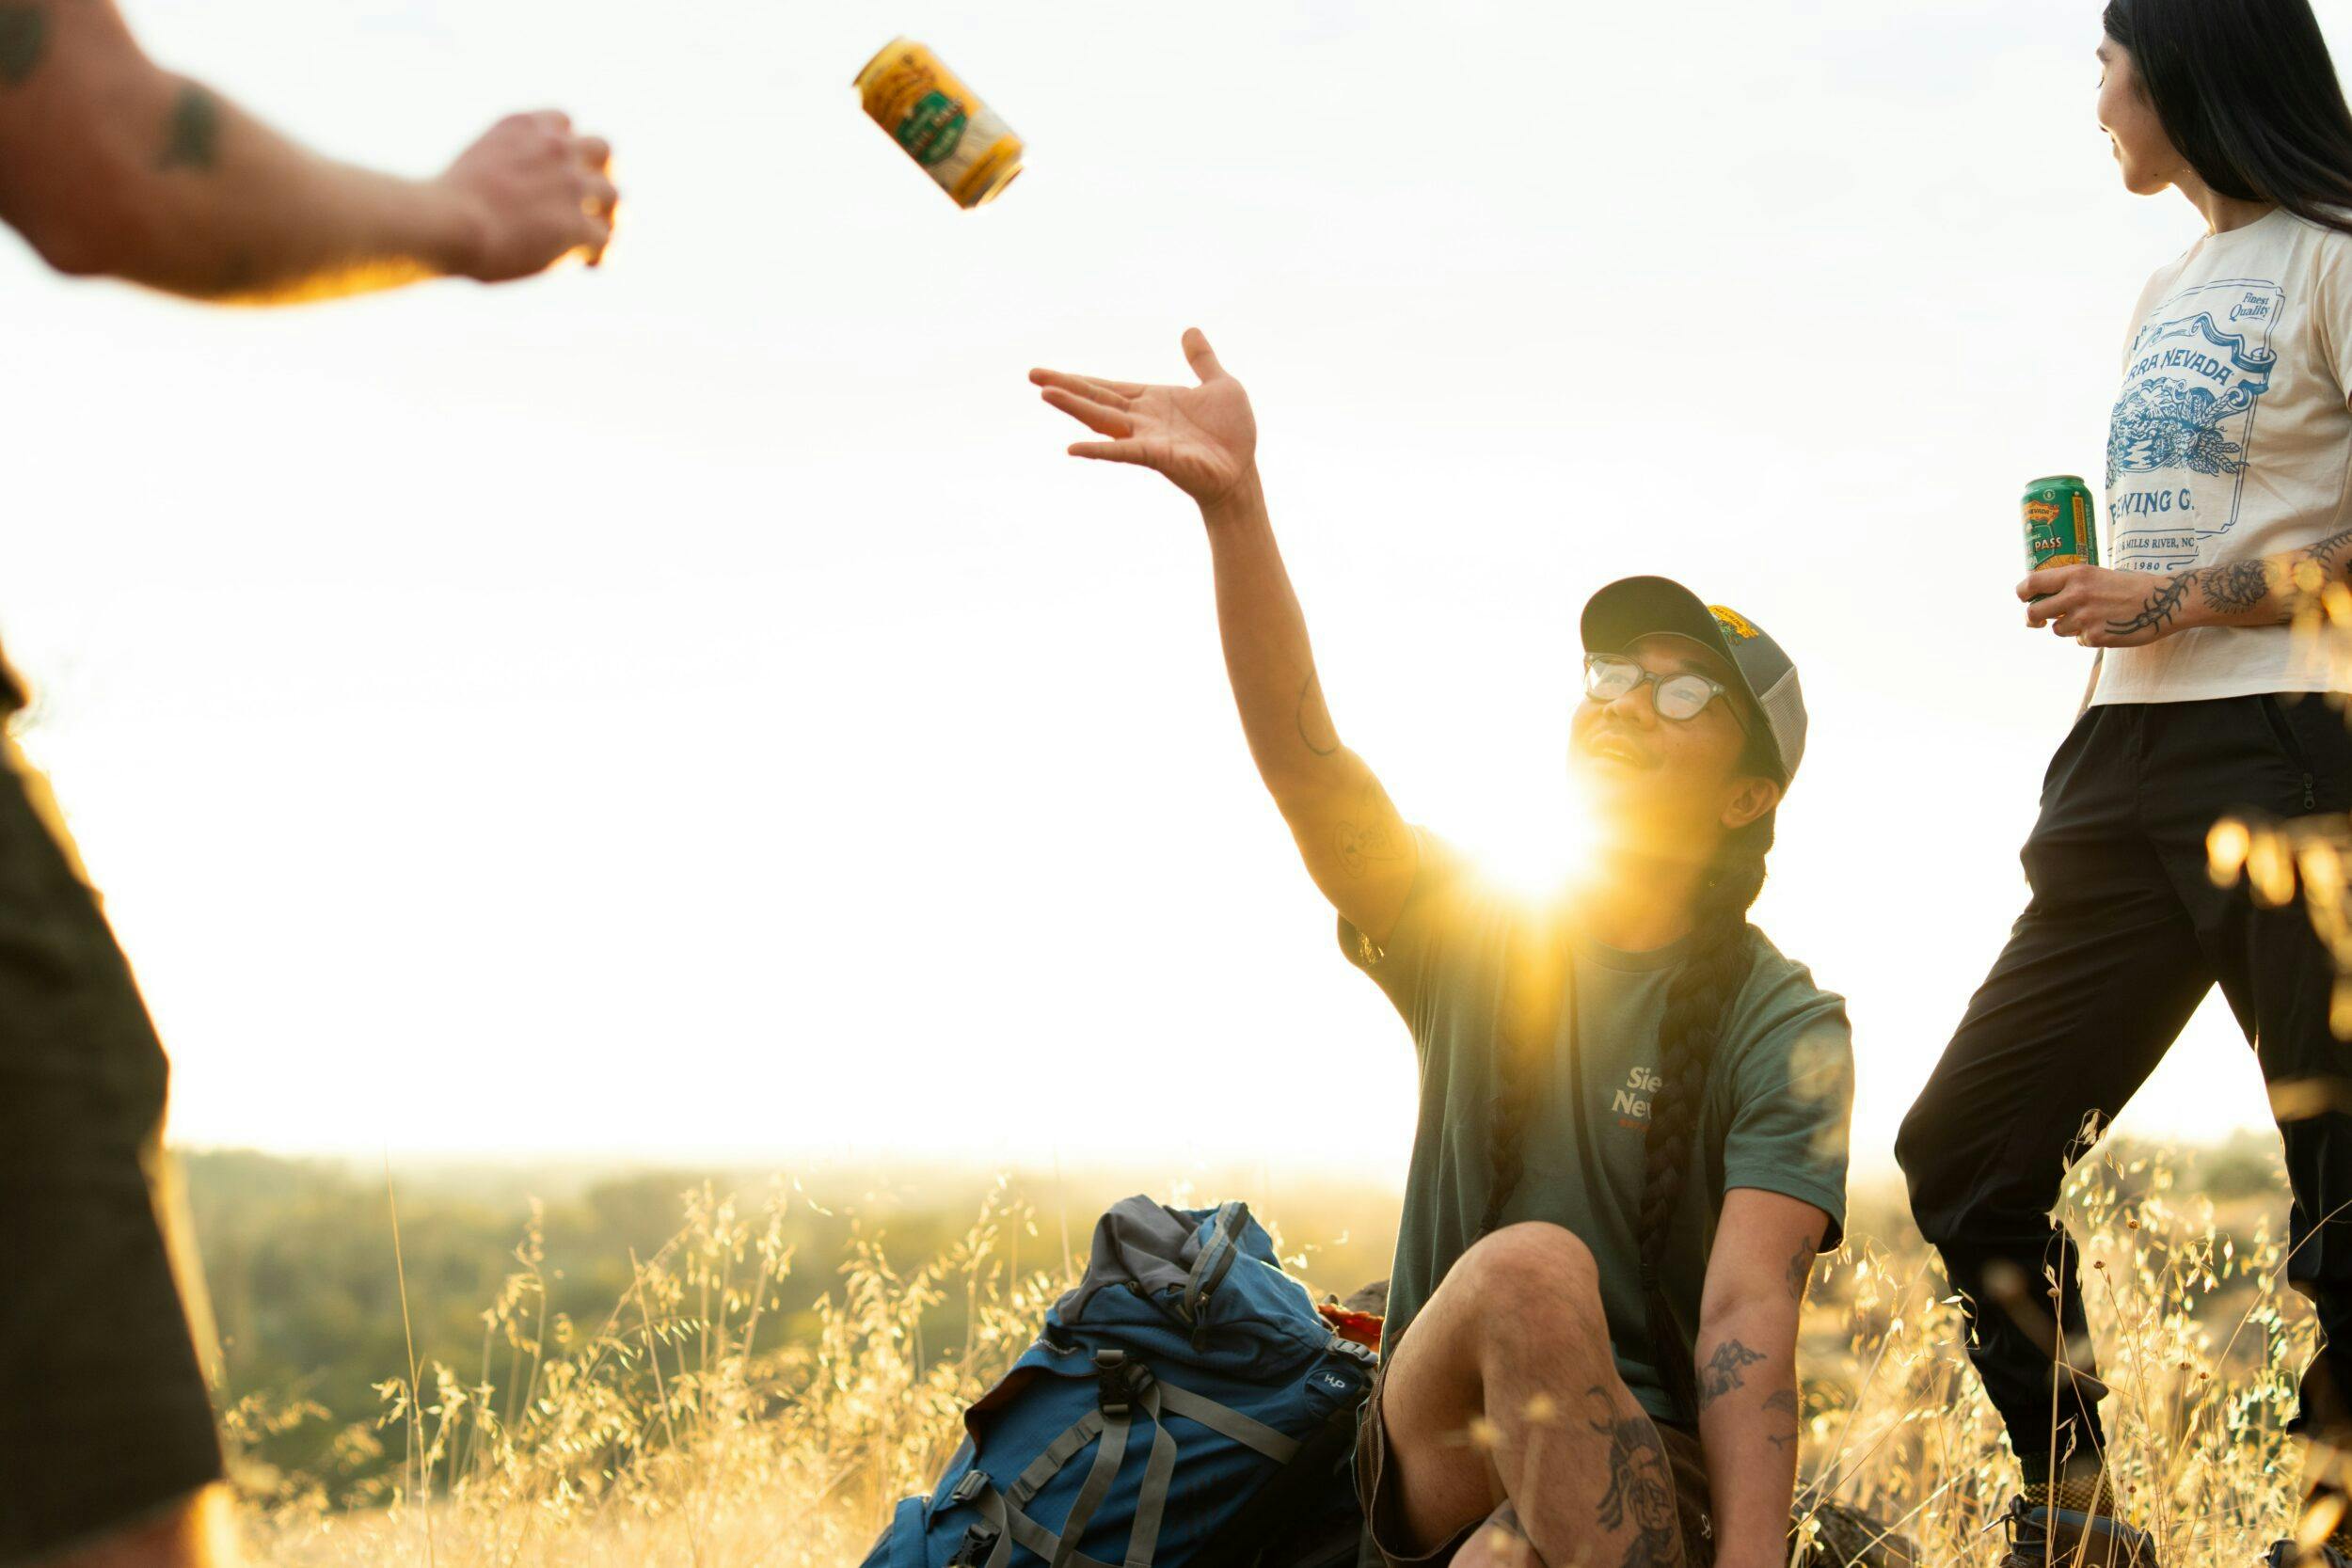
[{"x": 1526, "y": 834}]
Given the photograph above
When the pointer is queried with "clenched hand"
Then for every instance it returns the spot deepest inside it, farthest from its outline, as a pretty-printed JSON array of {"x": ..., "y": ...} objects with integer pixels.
[{"x": 534, "y": 193}]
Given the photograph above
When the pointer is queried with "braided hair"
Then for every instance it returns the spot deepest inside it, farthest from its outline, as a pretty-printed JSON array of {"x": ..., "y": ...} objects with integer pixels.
[{"x": 1697, "y": 1002}]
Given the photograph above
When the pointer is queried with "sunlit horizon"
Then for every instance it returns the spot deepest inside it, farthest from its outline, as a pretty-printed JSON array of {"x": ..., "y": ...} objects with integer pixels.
[{"x": 695, "y": 708}]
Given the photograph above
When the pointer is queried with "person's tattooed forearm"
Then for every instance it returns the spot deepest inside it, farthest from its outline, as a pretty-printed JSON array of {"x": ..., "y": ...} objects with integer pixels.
[
  {"x": 2162, "y": 607},
  {"x": 1311, "y": 702},
  {"x": 1726, "y": 1369},
  {"x": 1799, "y": 1271},
  {"x": 2323, "y": 555},
  {"x": 24, "y": 41},
  {"x": 192, "y": 133},
  {"x": 2236, "y": 588},
  {"x": 1783, "y": 1402},
  {"x": 1640, "y": 1496}
]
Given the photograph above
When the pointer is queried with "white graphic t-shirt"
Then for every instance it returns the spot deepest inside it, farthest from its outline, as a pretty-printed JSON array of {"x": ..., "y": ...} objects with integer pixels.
[{"x": 2231, "y": 440}]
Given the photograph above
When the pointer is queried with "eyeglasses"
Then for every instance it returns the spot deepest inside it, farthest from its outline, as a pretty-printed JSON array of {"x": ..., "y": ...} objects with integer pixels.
[{"x": 1679, "y": 697}]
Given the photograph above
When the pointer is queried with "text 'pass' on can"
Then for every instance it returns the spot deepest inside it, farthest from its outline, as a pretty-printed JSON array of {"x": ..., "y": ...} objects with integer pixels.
[
  {"x": 2062, "y": 528},
  {"x": 941, "y": 124}
]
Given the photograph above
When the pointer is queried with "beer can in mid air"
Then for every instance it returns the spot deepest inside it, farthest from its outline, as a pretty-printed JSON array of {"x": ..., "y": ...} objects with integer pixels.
[
  {"x": 2062, "y": 528},
  {"x": 941, "y": 123}
]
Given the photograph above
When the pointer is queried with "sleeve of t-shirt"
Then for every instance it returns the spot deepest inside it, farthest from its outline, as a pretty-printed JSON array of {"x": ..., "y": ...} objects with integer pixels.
[
  {"x": 2331, "y": 309},
  {"x": 1402, "y": 966},
  {"x": 1792, "y": 1105}
]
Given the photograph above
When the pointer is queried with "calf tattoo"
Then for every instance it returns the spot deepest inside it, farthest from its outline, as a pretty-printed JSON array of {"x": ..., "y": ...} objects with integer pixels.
[
  {"x": 1641, "y": 1494},
  {"x": 1726, "y": 1369}
]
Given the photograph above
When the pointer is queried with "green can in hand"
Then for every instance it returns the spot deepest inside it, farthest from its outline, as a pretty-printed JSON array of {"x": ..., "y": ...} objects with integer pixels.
[{"x": 2062, "y": 527}]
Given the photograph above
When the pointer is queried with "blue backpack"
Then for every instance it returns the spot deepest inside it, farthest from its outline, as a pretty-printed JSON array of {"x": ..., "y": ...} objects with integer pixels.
[{"x": 1186, "y": 1408}]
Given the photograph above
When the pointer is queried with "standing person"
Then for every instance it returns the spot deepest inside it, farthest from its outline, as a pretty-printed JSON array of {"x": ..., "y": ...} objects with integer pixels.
[
  {"x": 2226, "y": 469},
  {"x": 1633, "y": 1110},
  {"x": 111, "y": 167}
]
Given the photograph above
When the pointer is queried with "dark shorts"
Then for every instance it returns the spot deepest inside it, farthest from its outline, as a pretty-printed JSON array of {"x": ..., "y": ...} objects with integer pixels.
[
  {"x": 1377, "y": 1499},
  {"x": 104, "y": 1414}
]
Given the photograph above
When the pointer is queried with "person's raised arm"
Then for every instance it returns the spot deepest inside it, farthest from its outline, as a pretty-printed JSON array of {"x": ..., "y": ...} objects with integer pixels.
[
  {"x": 2102, "y": 607},
  {"x": 1204, "y": 440},
  {"x": 112, "y": 166},
  {"x": 1749, "y": 1406}
]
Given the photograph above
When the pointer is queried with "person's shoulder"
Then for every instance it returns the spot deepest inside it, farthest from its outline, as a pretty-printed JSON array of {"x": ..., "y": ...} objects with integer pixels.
[{"x": 1780, "y": 991}]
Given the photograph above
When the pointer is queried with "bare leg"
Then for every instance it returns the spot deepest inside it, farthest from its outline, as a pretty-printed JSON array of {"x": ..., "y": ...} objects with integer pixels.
[
  {"x": 1505, "y": 1388},
  {"x": 193, "y": 1532}
]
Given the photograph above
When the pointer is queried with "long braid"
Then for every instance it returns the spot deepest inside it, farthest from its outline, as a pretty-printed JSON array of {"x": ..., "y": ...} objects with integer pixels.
[{"x": 1697, "y": 1003}]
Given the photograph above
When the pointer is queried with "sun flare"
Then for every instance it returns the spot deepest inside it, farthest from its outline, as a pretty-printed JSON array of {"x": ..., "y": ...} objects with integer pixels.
[{"x": 1528, "y": 834}]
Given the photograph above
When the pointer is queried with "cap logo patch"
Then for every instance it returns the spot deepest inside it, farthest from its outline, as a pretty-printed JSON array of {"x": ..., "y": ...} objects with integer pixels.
[{"x": 1733, "y": 623}]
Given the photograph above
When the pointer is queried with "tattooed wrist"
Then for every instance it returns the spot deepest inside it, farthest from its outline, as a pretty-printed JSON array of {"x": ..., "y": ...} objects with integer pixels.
[{"x": 2161, "y": 611}]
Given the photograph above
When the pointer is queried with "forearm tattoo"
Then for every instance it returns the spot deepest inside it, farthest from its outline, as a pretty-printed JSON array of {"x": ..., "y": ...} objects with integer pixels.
[
  {"x": 1799, "y": 1271},
  {"x": 1640, "y": 1496},
  {"x": 192, "y": 133},
  {"x": 1784, "y": 1403},
  {"x": 23, "y": 42},
  {"x": 2162, "y": 608},
  {"x": 2236, "y": 588},
  {"x": 1726, "y": 1369}
]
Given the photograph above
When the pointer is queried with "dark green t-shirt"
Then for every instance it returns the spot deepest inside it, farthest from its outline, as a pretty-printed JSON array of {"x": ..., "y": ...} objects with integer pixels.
[{"x": 1773, "y": 1115}]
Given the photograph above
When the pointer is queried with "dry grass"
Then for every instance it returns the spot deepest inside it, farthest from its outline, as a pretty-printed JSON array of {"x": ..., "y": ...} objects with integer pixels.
[{"x": 684, "y": 1429}]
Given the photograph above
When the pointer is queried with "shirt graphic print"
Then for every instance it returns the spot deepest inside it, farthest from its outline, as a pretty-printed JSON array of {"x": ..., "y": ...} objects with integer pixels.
[{"x": 2178, "y": 443}]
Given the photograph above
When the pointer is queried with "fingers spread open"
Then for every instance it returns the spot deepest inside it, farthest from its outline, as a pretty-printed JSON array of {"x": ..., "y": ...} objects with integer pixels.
[
  {"x": 1100, "y": 417},
  {"x": 1201, "y": 355},
  {"x": 1109, "y": 451},
  {"x": 1115, "y": 393}
]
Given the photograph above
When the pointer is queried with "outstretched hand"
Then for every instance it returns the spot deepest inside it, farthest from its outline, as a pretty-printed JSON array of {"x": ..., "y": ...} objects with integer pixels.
[{"x": 1204, "y": 438}]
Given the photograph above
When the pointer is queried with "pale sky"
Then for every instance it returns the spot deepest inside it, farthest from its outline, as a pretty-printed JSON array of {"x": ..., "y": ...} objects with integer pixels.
[{"x": 696, "y": 710}]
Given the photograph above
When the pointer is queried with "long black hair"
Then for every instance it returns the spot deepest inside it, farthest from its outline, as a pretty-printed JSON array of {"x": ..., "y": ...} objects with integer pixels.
[
  {"x": 1698, "y": 1001},
  {"x": 2246, "y": 93}
]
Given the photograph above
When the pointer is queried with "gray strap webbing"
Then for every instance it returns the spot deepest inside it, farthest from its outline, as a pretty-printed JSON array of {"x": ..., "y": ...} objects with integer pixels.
[
  {"x": 992, "y": 1509},
  {"x": 1058, "y": 1454},
  {"x": 1012, "y": 1526},
  {"x": 1098, "y": 1485},
  {"x": 1230, "y": 1423},
  {"x": 1152, "y": 1502}
]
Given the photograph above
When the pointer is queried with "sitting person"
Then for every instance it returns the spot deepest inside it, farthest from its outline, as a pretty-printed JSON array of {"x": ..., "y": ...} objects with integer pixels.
[{"x": 1633, "y": 1110}]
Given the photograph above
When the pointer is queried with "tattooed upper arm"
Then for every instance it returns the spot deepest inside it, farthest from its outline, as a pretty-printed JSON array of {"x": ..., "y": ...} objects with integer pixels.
[{"x": 24, "y": 40}]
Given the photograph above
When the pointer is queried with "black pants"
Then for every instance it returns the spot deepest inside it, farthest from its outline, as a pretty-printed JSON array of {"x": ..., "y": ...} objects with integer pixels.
[
  {"x": 104, "y": 1414},
  {"x": 2125, "y": 935}
]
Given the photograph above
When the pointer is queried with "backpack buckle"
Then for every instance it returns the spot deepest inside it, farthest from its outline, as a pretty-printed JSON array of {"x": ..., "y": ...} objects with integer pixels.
[
  {"x": 968, "y": 1486},
  {"x": 973, "y": 1550},
  {"x": 1114, "y": 1389}
]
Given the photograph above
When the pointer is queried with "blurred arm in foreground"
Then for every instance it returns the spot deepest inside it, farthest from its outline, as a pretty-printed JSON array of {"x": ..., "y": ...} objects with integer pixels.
[
  {"x": 112, "y": 166},
  {"x": 1204, "y": 440}
]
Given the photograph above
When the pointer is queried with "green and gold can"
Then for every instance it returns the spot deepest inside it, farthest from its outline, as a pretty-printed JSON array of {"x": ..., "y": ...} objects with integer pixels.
[
  {"x": 2061, "y": 526},
  {"x": 941, "y": 124}
]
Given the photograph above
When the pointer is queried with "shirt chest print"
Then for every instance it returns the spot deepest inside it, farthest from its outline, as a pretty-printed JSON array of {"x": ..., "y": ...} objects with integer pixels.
[
  {"x": 2192, "y": 385},
  {"x": 1630, "y": 1104}
]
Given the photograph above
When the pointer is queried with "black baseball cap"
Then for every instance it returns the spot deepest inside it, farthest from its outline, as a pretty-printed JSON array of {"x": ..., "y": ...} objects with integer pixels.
[{"x": 1631, "y": 608}]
